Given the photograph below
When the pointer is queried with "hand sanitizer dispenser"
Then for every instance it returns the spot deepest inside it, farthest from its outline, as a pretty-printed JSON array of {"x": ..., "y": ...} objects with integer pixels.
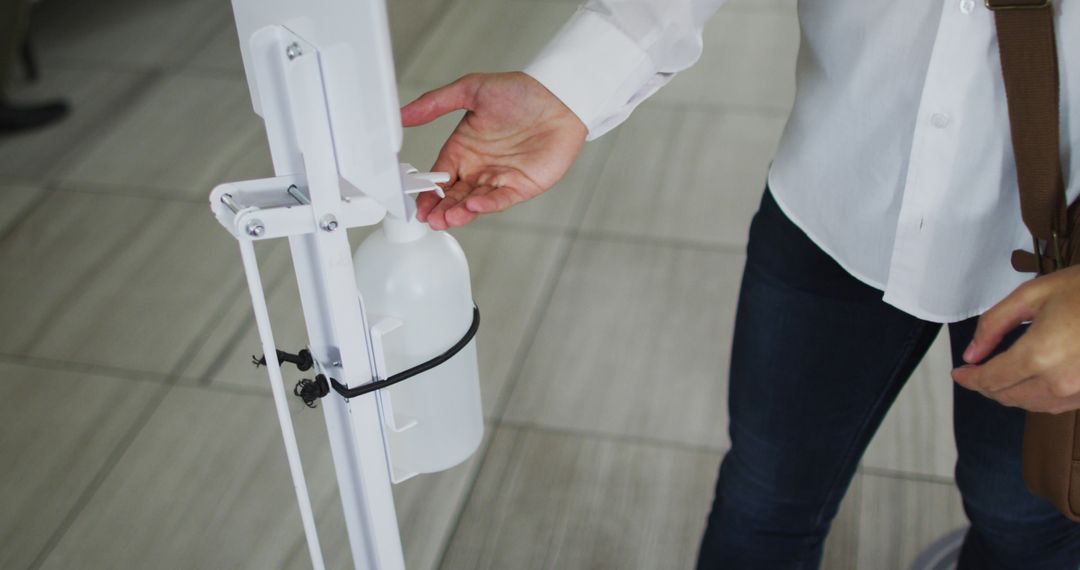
[
  {"x": 409, "y": 273},
  {"x": 394, "y": 367}
]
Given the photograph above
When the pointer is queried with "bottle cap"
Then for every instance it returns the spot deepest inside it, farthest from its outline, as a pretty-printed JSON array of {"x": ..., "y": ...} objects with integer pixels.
[{"x": 403, "y": 231}]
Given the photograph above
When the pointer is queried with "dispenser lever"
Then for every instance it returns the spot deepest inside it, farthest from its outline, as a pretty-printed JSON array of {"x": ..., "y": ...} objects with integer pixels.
[{"x": 415, "y": 181}]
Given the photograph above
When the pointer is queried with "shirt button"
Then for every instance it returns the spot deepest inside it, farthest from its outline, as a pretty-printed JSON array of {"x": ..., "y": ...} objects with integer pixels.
[
  {"x": 939, "y": 120},
  {"x": 967, "y": 6}
]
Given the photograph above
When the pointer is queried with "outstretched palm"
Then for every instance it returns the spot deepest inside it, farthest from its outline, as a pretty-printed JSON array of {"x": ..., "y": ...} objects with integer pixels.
[{"x": 515, "y": 141}]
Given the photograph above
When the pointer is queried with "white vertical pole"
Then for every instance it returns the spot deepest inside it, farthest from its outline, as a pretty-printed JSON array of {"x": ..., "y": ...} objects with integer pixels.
[
  {"x": 359, "y": 459},
  {"x": 277, "y": 386},
  {"x": 336, "y": 329},
  {"x": 294, "y": 107}
]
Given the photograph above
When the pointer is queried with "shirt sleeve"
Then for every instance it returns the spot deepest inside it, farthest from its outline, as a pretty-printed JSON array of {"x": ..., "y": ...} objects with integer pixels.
[{"x": 613, "y": 54}]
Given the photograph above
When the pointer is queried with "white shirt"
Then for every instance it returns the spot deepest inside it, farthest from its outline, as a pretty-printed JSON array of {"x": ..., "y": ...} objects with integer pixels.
[{"x": 896, "y": 159}]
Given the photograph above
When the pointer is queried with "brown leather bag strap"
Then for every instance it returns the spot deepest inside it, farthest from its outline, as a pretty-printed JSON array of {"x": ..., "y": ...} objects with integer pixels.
[{"x": 1029, "y": 65}]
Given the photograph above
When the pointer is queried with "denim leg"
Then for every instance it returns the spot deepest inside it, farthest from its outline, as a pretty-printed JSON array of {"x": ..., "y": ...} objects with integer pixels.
[
  {"x": 1010, "y": 527},
  {"x": 817, "y": 360}
]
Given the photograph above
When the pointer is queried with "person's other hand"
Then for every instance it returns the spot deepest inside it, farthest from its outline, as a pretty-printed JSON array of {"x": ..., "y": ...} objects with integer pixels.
[
  {"x": 1041, "y": 370},
  {"x": 515, "y": 141}
]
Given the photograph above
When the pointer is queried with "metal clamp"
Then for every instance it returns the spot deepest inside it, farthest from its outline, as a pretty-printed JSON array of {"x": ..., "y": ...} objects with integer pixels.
[{"x": 1057, "y": 257}]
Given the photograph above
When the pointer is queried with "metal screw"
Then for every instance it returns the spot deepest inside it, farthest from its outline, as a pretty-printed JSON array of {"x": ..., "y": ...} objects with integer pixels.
[
  {"x": 328, "y": 223},
  {"x": 293, "y": 51},
  {"x": 298, "y": 195},
  {"x": 255, "y": 228},
  {"x": 227, "y": 199}
]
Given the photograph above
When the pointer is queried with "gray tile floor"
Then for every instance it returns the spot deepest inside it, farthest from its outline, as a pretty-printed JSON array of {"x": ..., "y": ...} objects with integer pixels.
[{"x": 136, "y": 436}]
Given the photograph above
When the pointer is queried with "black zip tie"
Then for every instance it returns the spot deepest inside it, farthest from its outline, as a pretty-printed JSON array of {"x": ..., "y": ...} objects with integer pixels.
[
  {"x": 310, "y": 391},
  {"x": 302, "y": 359}
]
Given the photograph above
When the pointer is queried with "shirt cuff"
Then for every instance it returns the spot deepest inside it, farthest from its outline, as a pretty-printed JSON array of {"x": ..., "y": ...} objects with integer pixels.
[{"x": 594, "y": 69}]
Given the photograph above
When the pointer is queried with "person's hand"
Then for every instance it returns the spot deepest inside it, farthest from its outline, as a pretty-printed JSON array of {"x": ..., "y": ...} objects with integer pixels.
[
  {"x": 1041, "y": 370},
  {"x": 516, "y": 141}
]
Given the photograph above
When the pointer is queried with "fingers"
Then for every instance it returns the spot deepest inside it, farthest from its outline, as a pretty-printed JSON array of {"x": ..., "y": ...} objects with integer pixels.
[
  {"x": 464, "y": 202},
  {"x": 1020, "y": 306},
  {"x": 434, "y": 104},
  {"x": 1004, "y": 371},
  {"x": 451, "y": 211},
  {"x": 436, "y": 216}
]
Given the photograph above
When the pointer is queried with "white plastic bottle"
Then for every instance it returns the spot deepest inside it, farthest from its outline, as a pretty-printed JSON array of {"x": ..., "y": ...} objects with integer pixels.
[{"x": 408, "y": 272}]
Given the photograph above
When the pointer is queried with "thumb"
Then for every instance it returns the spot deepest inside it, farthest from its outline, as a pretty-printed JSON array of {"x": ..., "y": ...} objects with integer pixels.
[
  {"x": 431, "y": 105},
  {"x": 1020, "y": 306}
]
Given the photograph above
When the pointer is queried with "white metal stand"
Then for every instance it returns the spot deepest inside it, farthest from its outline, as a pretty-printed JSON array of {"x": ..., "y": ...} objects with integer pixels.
[{"x": 308, "y": 203}]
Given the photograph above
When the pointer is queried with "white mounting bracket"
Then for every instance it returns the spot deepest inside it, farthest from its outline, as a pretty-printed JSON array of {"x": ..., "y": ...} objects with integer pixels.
[{"x": 391, "y": 421}]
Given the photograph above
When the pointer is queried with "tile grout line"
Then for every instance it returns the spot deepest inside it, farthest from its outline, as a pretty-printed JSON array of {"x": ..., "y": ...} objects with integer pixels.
[
  {"x": 491, "y": 224},
  {"x": 661, "y": 241},
  {"x": 52, "y": 185},
  {"x": 165, "y": 70},
  {"x": 206, "y": 39},
  {"x": 859, "y": 514},
  {"x": 126, "y": 190},
  {"x": 81, "y": 139},
  {"x": 166, "y": 194},
  {"x": 125, "y": 441},
  {"x": 521, "y": 354},
  {"x": 99, "y": 478},
  {"x": 190, "y": 53},
  {"x": 27, "y": 212},
  {"x": 127, "y": 374},
  {"x": 570, "y": 237},
  {"x": 77, "y": 64},
  {"x": 68, "y": 63},
  {"x": 53, "y": 364},
  {"x": 858, "y": 521},
  {"x": 614, "y": 437},
  {"x": 140, "y": 88},
  {"x": 102, "y": 263},
  {"x": 910, "y": 476},
  {"x": 157, "y": 378},
  {"x": 524, "y": 227},
  {"x": 135, "y": 374},
  {"x": 410, "y": 59},
  {"x": 275, "y": 281},
  {"x": 299, "y": 548},
  {"x": 234, "y": 296}
]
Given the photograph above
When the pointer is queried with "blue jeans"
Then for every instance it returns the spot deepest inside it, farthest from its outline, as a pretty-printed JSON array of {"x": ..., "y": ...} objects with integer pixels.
[{"x": 817, "y": 360}]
